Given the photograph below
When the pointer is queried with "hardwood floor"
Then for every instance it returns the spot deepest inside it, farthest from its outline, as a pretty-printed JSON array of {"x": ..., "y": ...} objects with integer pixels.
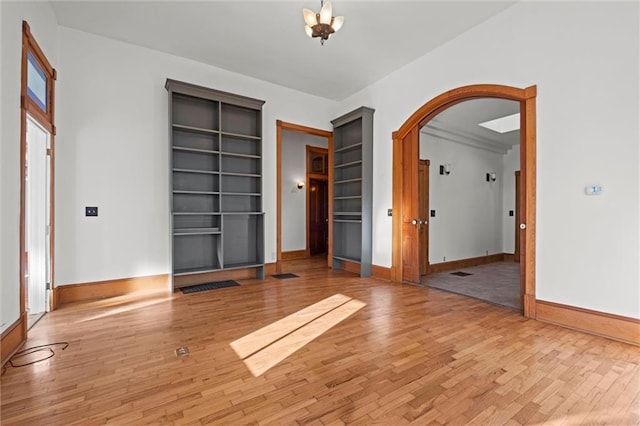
[{"x": 411, "y": 355}]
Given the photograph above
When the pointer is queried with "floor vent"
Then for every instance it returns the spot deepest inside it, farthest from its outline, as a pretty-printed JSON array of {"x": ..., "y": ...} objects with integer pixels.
[
  {"x": 285, "y": 276},
  {"x": 182, "y": 351},
  {"x": 208, "y": 286},
  {"x": 461, "y": 274}
]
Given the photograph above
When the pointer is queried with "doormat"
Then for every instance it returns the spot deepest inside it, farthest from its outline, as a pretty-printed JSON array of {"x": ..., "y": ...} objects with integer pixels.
[
  {"x": 285, "y": 276},
  {"x": 208, "y": 286},
  {"x": 461, "y": 274}
]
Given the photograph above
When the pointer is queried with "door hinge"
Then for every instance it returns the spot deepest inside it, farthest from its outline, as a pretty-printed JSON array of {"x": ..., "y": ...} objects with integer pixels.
[
  {"x": 49, "y": 152},
  {"x": 48, "y": 286}
]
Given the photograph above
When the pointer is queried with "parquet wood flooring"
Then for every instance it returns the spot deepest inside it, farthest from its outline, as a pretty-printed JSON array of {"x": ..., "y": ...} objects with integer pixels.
[{"x": 412, "y": 355}]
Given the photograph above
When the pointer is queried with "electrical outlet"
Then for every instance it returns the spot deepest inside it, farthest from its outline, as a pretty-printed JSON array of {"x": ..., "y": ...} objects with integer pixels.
[
  {"x": 389, "y": 212},
  {"x": 91, "y": 211},
  {"x": 510, "y": 212},
  {"x": 433, "y": 213}
]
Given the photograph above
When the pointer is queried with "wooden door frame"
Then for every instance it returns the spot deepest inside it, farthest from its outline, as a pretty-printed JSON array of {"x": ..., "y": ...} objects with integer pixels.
[
  {"x": 316, "y": 176},
  {"x": 405, "y": 188},
  {"x": 46, "y": 119},
  {"x": 319, "y": 178},
  {"x": 280, "y": 126},
  {"x": 427, "y": 164}
]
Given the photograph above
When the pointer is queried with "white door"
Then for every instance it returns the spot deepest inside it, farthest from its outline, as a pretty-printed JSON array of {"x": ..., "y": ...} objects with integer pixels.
[{"x": 37, "y": 173}]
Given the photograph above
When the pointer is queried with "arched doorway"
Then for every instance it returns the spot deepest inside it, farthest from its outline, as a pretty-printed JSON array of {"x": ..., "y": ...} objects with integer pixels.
[{"x": 405, "y": 249}]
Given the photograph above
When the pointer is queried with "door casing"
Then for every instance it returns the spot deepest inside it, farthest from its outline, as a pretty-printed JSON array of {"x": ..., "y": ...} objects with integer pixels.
[
  {"x": 405, "y": 241},
  {"x": 280, "y": 126}
]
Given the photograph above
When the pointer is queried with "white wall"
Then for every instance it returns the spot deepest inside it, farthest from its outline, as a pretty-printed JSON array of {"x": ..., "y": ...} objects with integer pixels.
[
  {"x": 468, "y": 221},
  {"x": 510, "y": 163},
  {"x": 294, "y": 200},
  {"x": 43, "y": 25},
  {"x": 112, "y": 152},
  {"x": 587, "y": 132}
]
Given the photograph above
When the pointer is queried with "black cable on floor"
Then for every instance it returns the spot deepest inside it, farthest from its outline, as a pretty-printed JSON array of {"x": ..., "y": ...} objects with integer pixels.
[{"x": 32, "y": 350}]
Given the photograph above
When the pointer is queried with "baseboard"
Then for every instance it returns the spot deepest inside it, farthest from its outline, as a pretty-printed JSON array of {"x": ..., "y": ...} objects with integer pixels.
[
  {"x": 465, "y": 263},
  {"x": 350, "y": 266},
  {"x": 12, "y": 339},
  {"x": 294, "y": 254},
  {"x": 508, "y": 257},
  {"x": 381, "y": 272},
  {"x": 616, "y": 327},
  {"x": 269, "y": 269},
  {"x": 110, "y": 288}
]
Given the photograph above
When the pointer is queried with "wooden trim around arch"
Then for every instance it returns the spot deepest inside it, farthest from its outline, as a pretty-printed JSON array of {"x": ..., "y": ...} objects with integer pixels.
[
  {"x": 280, "y": 126},
  {"x": 404, "y": 189}
]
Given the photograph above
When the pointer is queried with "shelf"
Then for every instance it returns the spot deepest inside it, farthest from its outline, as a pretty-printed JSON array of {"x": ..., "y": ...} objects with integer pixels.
[
  {"x": 243, "y": 265},
  {"x": 204, "y": 172},
  {"x": 249, "y": 194},
  {"x": 180, "y": 191},
  {"x": 237, "y": 135},
  {"x": 352, "y": 197},
  {"x": 346, "y": 221},
  {"x": 348, "y": 148},
  {"x": 348, "y": 259},
  {"x": 195, "y": 129},
  {"x": 349, "y": 164},
  {"x": 197, "y": 150},
  {"x": 337, "y": 182},
  {"x": 255, "y": 175},
  {"x": 235, "y": 154},
  {"x": 242, "y": 213},
  {"x": 196, "y": 213},
  {"x": 347, "y": 213},
  {"x": 191, "y": 271},
  {"x": 195, "y": 231}
]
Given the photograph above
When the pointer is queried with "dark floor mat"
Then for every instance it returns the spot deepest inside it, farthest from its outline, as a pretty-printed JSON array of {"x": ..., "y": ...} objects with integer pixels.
[
  {"x": 285, "y": 276},
  {"x": 461, "y": 274},
  {"x": 208, "y": 286}
]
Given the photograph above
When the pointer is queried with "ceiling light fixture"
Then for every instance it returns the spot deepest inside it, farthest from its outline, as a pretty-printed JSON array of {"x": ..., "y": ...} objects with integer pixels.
[{"x": 322, "y": 24}]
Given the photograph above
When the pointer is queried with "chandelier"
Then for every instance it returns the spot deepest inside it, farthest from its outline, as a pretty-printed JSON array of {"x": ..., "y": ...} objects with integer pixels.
[{"x": 322, "y": 24}]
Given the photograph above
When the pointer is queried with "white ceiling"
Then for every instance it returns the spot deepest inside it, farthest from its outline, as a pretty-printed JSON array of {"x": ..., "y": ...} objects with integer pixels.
[
  {"x": 459, "y": 123},
  {"x": 266, "y": 39}
]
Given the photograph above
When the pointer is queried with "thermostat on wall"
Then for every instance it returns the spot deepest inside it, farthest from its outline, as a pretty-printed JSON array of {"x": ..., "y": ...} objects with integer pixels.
[{"x": 593, "y": 190}]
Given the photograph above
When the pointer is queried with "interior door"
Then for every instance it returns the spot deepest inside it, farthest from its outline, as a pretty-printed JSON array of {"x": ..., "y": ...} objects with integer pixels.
[
  {"x": 410, "y": 211},
  {"x": 519, "y": 220},
  {"x": 318, "y": 216},
  {"x": 37, "y": 236},
  {"x": 423, "y": 188}
]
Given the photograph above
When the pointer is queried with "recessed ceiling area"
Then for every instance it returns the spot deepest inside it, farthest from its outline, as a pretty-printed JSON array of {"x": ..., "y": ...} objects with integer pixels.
[{"x": 266, "y": 39}]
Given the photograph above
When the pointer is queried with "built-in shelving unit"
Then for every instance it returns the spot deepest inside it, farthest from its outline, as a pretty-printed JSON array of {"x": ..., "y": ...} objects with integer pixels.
[
  {"x": 217, "y": 222},
  {"x": 352, "y": 190}
]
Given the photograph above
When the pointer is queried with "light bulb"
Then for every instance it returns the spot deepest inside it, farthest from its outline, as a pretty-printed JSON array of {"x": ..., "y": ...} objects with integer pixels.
[
  {"x": 308, "y": 30},
  {"x": 337, "y": 23},
  {"x": 310, "y": 17},
  {"x": 325, "y": 13}
]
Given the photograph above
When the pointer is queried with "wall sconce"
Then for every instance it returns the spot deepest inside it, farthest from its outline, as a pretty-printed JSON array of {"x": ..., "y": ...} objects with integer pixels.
[
  {"x": 491, "y": 177},
  {"x": 445, "y": 169},
  {"x": 300, "y": 185}
]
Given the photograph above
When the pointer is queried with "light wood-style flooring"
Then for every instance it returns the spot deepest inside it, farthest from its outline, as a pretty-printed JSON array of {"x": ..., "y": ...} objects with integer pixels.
[{"x": 410, "y": 355}]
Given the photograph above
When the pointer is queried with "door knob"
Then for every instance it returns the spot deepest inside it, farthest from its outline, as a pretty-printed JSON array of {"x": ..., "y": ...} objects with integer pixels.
[
  {"x": 414, "y": 222},
  {"x": 523, "y": 226}
]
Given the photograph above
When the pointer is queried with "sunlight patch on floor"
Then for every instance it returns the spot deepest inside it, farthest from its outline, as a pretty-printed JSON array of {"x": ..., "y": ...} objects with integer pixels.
[
  {"x": 125, "y": 308},
  {"x": 268, "y": 346}
]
